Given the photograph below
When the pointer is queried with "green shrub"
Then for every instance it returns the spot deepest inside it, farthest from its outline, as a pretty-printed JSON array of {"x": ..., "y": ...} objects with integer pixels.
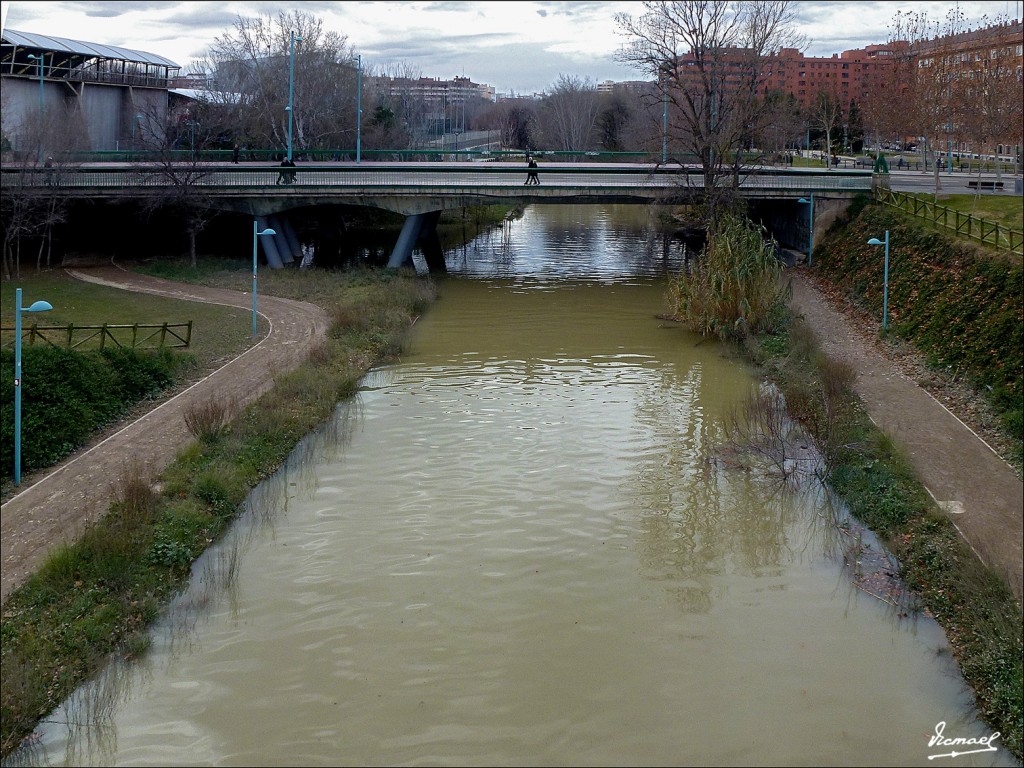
[
  {"x": 733, "y": 290},
  {"x": 66, "y": 396},
  {"x": 959, "y": 305}
]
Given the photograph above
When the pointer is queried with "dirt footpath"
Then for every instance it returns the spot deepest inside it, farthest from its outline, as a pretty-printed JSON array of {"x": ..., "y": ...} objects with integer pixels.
[
  {"x": 57, "y": 507},
  {"x": 982, "y": 494}
]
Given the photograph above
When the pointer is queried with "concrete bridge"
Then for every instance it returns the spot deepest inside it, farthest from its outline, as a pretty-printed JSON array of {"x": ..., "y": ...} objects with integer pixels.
[{"x": 419, "y": 191}]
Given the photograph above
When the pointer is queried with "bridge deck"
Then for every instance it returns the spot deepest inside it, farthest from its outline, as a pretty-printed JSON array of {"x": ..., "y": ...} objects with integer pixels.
[{"x": 418, "y": 187}]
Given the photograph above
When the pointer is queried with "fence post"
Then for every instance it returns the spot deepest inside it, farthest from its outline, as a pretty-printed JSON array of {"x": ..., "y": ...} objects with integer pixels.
[
  {"x": 103, "y": 335},
  {"x": 188, "y": 338},
  {"x": 135, "y": 335},
  {"x": 163, "y": 335}
]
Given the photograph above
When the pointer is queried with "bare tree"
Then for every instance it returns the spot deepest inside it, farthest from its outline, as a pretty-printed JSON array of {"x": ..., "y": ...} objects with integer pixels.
[
  {"x": 33, "y": 203},
  {"x": 710, "y": 59},
  {"x": 570, "y": 113},
  {"x": 249, "y": 66},
  {"x": 177, "y": 176},
  {"x": 826, "y": 113},
  {"x": 989, "y": 82},
  {"x": 515, "y": 120}
]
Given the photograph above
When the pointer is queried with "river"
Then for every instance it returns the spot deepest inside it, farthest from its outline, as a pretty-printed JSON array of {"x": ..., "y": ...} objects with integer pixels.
[{"x": 521, "y": 545}]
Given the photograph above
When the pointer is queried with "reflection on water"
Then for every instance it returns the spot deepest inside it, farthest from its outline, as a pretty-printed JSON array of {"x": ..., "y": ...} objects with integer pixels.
[{"x": 515, "y": 547}]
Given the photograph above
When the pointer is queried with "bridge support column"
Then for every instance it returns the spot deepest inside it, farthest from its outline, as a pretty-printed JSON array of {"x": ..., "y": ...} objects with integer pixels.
[
  {"x": 291, "y": 236},
  {"x": 416, "y": 226},
  {"x": 431, "y": 243},
  {"x": 279, "y": 224},
  {"x": 269, "y": 245}
]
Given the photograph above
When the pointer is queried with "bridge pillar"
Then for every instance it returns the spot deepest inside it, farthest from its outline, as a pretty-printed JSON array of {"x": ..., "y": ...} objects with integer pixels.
[
  {"x": 431, "y": 243},
  {"x": 269, "y": 245},
  {"x": 416, "y": 226},
  {"x": 401, "y": 254},
  {"x": 279, "y": 224},
  {"x": 291, "y": 236}
]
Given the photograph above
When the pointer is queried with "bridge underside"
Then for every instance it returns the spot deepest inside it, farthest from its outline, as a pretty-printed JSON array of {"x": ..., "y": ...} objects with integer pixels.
[{"x": 420, "y": 192}]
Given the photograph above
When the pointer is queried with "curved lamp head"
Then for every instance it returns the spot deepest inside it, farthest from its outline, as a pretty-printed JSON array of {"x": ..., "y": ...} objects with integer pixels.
[
  {"x": 803, "y": 200},
  {"x": 267, "y": 231},
  {"x": 39, "y": 306},
  {"x": 875, "y": 241}
]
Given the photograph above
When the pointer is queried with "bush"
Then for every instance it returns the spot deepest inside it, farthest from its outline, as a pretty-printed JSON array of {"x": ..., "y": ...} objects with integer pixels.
[
  {"x": 734, "y": 289},
  {"x": 68, "y": 395},
  {"x": 959, "y": 305}
]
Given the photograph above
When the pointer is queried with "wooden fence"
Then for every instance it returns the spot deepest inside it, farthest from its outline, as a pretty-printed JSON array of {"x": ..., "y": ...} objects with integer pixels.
[
  {"x": 987, "y": 232},
  {"x": 136, "y": 336}
]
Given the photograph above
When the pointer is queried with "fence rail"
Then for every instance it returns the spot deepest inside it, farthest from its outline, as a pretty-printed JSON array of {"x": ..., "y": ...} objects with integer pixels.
[
  {"x": 134, "y": 336},
  {"x": 986, "y": 232},
  {"x": 414, "y": 178}
]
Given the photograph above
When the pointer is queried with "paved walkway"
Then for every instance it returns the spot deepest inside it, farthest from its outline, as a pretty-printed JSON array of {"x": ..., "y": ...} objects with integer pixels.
[
  {"x": 981, "y": 492},
  {"x": 58, "y": 506}
]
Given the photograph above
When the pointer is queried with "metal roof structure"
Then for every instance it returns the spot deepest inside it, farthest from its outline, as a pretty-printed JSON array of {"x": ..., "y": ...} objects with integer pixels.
[{"x": 70, "y": 49}]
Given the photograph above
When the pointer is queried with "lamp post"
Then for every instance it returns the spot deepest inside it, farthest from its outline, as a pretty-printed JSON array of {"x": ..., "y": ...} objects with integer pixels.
[
  {"x": 39, "y": 61},
  {"x": 810, "y": 239},
  {"x": 885, "y": 281},
  {"x": 664, "y": 125},
  {"x": 359, "y": 101},
  {"x": 255, "y": 236},
  {"x": 291, "y": 89},
  {"x": 38, "y": 306}
]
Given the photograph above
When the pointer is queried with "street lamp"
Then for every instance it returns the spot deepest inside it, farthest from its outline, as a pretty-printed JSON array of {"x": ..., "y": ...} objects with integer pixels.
[
  {"x": 255, "y": 235},
  {"x": 359, "y": 101},
  {"x": 291, "y": 90},
  {"x": 885, "y": 281},
  {"x": 38, "y": 306},
  {"x": 810, "y": 240},
  {"x": 664, "y": 127},
  {"x": 39, "y": 60}
]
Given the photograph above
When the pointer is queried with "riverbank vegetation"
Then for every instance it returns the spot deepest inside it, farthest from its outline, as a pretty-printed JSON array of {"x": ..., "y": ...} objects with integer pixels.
[
  {"x": 734, "y": 288},
  {"x": 61, "y": 414},
  {"x": 68, "y": 395},
  {"x": 98, "y": 595},
  {"x": 963, "y": 308},
  {"x": 974, "y": 606},
  {"x": 959, "y": 304}
]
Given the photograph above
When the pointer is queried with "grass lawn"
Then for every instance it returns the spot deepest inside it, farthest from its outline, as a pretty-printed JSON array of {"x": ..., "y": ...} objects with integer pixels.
[
  {"x": 218, "y": 333},
  {"x": 1004, "y": 210}
]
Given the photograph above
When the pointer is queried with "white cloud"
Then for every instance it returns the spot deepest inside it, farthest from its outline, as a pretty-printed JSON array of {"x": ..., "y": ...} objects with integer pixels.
[{"x": 521, "y": 46}]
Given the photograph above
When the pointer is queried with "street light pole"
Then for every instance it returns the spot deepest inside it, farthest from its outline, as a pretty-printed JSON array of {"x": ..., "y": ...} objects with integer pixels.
[
  {"x": 39, "y": 61},
  {"x": 255, "y": 236},
  {"x": 810, "y": 239},
  {"x": 38, "y": 306},
  {"x": 359, "y": 101},
  {"x": 885, "y": 281},
  {"x": 664, "y": 125},
  {"x": 291, "y": 89}
]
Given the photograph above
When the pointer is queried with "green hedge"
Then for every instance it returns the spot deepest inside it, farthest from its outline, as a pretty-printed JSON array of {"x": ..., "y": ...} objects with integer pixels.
[
  {"x": 66, "y": 396},
  {"x": 961, "y": 306}
]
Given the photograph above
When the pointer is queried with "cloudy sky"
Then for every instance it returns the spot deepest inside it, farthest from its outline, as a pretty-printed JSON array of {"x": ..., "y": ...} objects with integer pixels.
[{"x": 520, "y": 46}]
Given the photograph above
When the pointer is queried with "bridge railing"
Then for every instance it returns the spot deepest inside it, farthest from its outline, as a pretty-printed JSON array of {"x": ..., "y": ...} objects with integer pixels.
[{"x": 423, "y": 177}]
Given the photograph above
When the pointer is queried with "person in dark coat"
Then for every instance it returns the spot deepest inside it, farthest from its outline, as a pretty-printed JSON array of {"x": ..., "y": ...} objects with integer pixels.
[
  {"x": 234, "y": 154},
  {"x": 531, "y": 174}
]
